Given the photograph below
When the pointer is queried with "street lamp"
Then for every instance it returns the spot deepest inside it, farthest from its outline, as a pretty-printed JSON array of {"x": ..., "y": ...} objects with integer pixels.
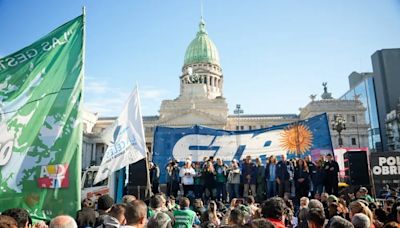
[
  {"x": 339, "y": 124},
  {"x": 238, "y": 111}
]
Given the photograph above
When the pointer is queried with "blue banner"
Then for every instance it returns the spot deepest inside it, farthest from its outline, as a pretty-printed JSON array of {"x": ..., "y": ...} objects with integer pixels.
[{"x": 306, "y": 137}]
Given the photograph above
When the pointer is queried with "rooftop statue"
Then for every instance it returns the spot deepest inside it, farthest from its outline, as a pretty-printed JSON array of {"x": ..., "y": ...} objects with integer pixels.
[
  {"x": 193, "y": 77},
  {"x": 326, "y": 95}
]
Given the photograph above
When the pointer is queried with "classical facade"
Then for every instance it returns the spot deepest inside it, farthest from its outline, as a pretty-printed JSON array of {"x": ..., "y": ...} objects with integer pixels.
[
  {"x": 201, "y": 101},
  {"x": 356, "y": 133}
]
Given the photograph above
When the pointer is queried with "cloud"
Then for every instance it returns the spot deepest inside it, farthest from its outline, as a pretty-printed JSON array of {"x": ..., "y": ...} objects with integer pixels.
[
  {"x": 152, "y": 94},
  {"x": 102, "y": 98},
  {"x": 96, "y": 87},
  {"x": 108, "y": 105}
]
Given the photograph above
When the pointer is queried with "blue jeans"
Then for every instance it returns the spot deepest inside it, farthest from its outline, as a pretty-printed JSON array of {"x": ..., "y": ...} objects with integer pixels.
[
  {"x": 271, "y": 188},
  {"x": 233, "y": 191}
]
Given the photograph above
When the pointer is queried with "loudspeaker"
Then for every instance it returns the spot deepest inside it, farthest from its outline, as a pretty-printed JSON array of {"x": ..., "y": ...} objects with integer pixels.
[
  {"x": 356, "y": 168},
  {"x": 138, "y": 173}
]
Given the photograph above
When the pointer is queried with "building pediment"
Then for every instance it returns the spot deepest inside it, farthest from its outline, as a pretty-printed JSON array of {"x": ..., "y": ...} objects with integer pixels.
[{"x": 192, "y": 117}]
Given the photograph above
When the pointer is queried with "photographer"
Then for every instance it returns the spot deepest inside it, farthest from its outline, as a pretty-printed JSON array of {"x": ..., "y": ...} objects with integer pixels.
[
  {"x": 154, "y": 178},
  {"x": 187, "y": 174},
  {"x": 209, "y": 180},
  {"x": 172, "y": 178}
]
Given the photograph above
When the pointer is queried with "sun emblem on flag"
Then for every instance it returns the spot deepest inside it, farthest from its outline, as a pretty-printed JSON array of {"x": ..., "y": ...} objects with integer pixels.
[{"x": 296, "y": 139}]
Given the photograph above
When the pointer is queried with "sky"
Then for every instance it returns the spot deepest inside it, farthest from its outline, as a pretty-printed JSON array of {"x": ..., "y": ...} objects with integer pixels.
[{"x": 274, "y": 54}]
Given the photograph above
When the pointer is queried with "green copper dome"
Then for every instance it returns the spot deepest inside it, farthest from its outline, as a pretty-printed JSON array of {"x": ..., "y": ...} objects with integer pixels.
[{"x": 201, "y": 49}]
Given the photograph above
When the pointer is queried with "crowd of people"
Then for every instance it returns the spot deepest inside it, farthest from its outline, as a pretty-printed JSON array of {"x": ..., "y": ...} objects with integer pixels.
[
  {"x": 218, "y": 181},
  {"x": 285, "y": 193},
  {"x": 161, "y": 211}
]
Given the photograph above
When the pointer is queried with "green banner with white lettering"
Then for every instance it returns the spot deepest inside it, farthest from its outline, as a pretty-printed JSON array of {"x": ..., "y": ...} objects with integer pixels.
[{"x": 40, "y": 124}]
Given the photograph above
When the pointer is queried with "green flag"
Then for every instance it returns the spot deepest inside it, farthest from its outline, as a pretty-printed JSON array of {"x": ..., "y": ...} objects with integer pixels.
[{"x": 40, "y": 124}]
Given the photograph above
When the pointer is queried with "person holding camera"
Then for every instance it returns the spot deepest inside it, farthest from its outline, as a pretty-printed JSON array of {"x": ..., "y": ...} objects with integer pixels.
[
  {"x": 209, "y": 180},
  {"x": 154, "y": 173},
  {"x": 187, "y": 174},
  {"x": 172, "y": 178}
]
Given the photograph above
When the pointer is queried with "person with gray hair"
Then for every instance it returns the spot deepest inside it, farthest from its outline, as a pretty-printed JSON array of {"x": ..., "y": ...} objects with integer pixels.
[
  {"x": 128, "y": 198},
  {"x": 360, "y": 220},
  {"x": 303, "y": 213},
  {"x": 339, "y": 222},
  {"x": 63, "y": 221},
  {"x": 315, "y": 204},
  {"x": 160, "y": 220},
  {"x": 187, "y": 174}
]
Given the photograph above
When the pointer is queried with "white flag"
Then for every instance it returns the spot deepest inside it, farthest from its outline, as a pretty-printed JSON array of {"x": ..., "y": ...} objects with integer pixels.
[{"x": 128, "y": 142}]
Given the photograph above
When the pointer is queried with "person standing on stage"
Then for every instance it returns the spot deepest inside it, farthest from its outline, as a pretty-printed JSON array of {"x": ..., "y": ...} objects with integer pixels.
[
  {"x": 198, "y": 181},
  {"x": 282, "y": 176},
  {"x": 331, "y": 168},
  {"x": 270, "y": 175},
  {"x": 249, "y": 173},
  {"x": 209, "y": 180},
  {"x": 187, "y": 174},
  {"x": 221, "y": 178},
  {"x": 234, "y": 179},
  {"x": 302, "y": 179},
  {"x": 319, "y": 177},
  {"x": 154, "y": 178},
  {"x": 172, "y": 178},
  {"x": 313, "y": 172},
  {"x": 261, "y": 183}
]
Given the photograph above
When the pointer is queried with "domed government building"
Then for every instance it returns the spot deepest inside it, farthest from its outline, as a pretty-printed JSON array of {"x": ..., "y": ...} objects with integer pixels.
[{"x": 201, "y": 101}]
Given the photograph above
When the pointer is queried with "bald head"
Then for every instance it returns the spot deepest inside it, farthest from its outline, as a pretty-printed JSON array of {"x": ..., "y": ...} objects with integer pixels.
[{"x": 63, "y": 221}]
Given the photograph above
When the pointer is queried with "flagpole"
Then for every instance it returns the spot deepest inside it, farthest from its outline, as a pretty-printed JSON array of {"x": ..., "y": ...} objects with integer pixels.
[
  {"x": 79, "y": 115},
  {"x": 148, "y": 187}
]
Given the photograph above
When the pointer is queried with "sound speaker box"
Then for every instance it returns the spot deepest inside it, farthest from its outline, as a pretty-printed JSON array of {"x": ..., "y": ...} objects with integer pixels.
[
  {"x": 356, "y": 168},
  {"x": 138, "y": 173}
]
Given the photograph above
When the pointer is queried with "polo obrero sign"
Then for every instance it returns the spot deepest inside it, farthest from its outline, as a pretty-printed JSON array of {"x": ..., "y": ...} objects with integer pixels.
[{"x": 386, "y": 165}]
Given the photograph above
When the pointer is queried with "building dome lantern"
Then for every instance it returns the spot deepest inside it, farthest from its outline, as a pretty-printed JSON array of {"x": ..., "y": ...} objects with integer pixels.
[
  {"x": 202, "y": 49},
  {"x": 202, "y": 61}
]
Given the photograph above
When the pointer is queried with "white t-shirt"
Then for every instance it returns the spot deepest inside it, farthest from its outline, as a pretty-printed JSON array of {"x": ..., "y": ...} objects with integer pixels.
[{"x": 187, "y": 175}]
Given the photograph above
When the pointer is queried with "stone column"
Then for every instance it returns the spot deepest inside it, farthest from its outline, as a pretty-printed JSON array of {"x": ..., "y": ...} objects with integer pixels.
[{"x": 93, "y": 153}]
